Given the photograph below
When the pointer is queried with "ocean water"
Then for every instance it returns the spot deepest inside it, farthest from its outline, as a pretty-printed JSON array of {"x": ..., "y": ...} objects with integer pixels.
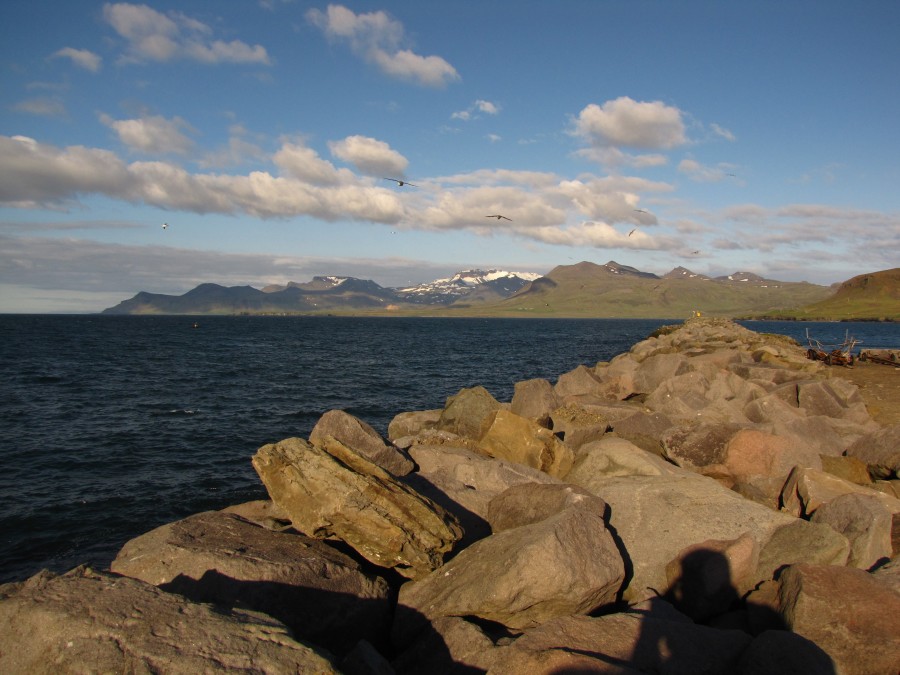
[{"x": 113, "y": 425}]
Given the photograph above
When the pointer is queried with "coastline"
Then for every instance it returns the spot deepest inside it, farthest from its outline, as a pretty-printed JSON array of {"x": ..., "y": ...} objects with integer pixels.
[{"x": 703, "y": 411}]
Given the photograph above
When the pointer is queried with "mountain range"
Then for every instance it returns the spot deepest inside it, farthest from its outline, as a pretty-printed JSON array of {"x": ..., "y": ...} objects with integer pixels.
[{"x": 584, "y": 289}]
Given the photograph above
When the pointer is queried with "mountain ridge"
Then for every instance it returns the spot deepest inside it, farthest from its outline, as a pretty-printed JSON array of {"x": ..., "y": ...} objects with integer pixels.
[{"x": 584, "y": 289}]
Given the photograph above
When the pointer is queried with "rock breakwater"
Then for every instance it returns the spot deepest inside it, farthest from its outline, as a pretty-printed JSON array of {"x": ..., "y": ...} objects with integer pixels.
[{"x": 710, "y": 501}]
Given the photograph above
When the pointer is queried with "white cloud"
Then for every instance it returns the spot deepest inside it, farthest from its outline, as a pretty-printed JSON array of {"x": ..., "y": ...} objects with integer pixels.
[
  {"x": 701, "y": 173},
  {"x": 494, "y": 138},
  {"x": 82, "y": 58},
  {"x": 154, "y": 135},
  {"x": 482, "y": 106},
  {"x": 378, "y": 39},
  {"x": 303, "y": 163},
  {"x": 487, "y": 107},
  {"x": 637, "y": 124},
  {"x": 153, "y": 36},
  {"x": 370, "y": 156},
  {"x": 722, "y": 132},
  {"x": 613, "y": 157},
  {"x": 41, "y": 105}
]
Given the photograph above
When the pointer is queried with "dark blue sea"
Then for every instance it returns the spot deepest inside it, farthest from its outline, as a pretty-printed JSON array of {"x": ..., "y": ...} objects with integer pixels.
[{"x": 113, "y": 425}]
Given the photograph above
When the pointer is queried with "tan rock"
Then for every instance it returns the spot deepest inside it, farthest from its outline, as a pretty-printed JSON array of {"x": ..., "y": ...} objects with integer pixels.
[
  {"x": 320, "y": 593},
  {"x": 628, "y": 642},
  {"x": 331, "y": 491},
  {"x": 565, "y": 564},
  {"x": 846, "y": 612},
  {"x": 411, "y": 423},
  {"x": 363, "y": 439},
  {"x": 807, "y": 489},
  {"x": 577, "y": 425},
  {"x": 517, "y": 439},
  {"x": 706, "y": 578},
  {"x": 87, "y": 621},
  {"x": 848, "y": 468},
  {"x": 530, "y": 503},
  {"x": 469, "y": 412}
]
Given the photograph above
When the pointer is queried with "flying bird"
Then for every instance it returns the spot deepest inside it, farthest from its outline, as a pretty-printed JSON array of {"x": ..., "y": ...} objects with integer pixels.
[
  {"x": 641, "y": 211},
  {"x": 401, "y": 183},
  {"x": 632, "y": 232},
  {"x": 498, "y": 217},
  {"x": 165, "y": 226}
]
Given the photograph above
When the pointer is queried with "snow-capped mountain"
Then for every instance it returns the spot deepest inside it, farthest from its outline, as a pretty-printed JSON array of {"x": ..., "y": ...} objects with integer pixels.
[{"x": 481, "y": 283}]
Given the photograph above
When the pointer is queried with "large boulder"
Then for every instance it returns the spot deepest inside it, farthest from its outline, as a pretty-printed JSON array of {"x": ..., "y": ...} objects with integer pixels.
[
  {"x": 799, "y": 540},
  {"x": 647, "y": 430},
  {"x": 565, "y": 564},
  {"x": 516, "y": 439},
  {"x": 612, "y": 457},
  {"x": 364, "y": 440},
  {"x": 656, "y": 369},
  {"x": 578, "y": 382},
  {"x": 531, "y": 503},
  {"x": 469, "y": 412},
  {"x": 880, "y": 450},
  {"x": 451, "y": 645},
  {"x": 464, "y": 483},
  {"x": 331, "y": 491},
  {"x": 866, "y": 523},
  {"x": 657, "y": 517},
  {"x": 320, "y": 593},
  {"x": 87, "y": 621},
  {"x": 578, "y": 425},
  {"x": 412, "y": 423},
  {"x": 807, "y": 489},
  {"x": 845, "y": 611},
  {"x": 534, "y": 400}
]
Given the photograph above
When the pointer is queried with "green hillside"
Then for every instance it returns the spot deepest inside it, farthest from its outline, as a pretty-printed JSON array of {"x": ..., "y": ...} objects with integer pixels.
[
  {"x": 615, "y": 291},
  {"x": 872, "y": 296}
]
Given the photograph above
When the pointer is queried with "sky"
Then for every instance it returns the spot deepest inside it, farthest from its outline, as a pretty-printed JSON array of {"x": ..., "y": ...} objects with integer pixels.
[{"x": 717, "y": 136}]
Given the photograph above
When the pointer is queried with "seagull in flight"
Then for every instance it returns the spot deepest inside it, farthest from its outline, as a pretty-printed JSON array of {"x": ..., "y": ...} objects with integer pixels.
[
  {"x": 641, "y": 211},
  {"x": 632, "y": 232},
  {"x": 498, "y": 217},
  {"x": 165, "y": 226},
  {"x": 401, "y": 183}
]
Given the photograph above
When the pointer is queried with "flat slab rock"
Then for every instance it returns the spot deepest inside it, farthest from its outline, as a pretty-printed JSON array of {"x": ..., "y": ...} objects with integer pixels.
[
  {"x": 320, "y": 593},
  {"x": 87, "y": 621}
]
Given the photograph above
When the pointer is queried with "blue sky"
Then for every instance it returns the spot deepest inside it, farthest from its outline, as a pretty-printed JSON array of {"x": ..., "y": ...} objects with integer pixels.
[{"x": 719, "y": 136}]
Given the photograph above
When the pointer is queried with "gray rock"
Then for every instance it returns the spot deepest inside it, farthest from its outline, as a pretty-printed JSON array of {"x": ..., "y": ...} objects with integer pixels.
[
  {"x": 656, "y": 369},
  {"x": 647, "y": 430},
  {"x": 534, "y": 400},
  {"x": 880, "y": 451},
  {"x": 866, "y": 523},
  {"x": 580, "y": 381},
  {"x": 87, "y": 621},
  {"x": 802, "y": 541},
  {"x": 363, "y": 439},
  {"x": 320, "y": 593},
  {"x": 331, "y": 491},
  {"x": 657, "y": 517}
]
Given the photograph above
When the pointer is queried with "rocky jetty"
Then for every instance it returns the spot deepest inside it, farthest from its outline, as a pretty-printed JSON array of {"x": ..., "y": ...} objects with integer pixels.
[{"x": 709, "y": 502}]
